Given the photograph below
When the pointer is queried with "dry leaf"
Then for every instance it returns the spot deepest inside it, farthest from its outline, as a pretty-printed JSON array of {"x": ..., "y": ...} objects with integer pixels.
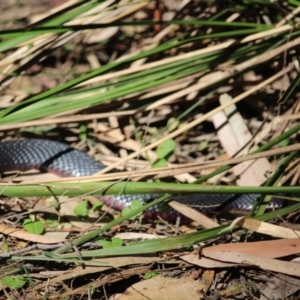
[
  {"x": 137, "y": 235},
  {"x": 266, "y": 228},
  {"x": 113, "y": 262},
  {"x": 234, "y": 134},
  {"x": 208, "y": 279},
  {"x": 193, "y": 214},
  {"x": 24, "y": 235},
  {"x": 205, "y": 262},
  {"x": 272, "y": 249},
  {"x": 265, "y": 263},
  {"x": 164, "y": 288}
]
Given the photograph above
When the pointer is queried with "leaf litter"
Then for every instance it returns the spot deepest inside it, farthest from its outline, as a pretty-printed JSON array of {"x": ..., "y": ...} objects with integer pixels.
[{"x": 229, "y": 99}]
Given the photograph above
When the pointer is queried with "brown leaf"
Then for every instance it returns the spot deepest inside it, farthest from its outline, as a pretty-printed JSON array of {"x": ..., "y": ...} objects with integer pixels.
[
  {"x": 265, "y": 263},
  {"x": 272, "y": 249},
  {"x": 24, "y": 235},
  {"x": 164, "y": 288},
  {"x": 193, "y": 214}
]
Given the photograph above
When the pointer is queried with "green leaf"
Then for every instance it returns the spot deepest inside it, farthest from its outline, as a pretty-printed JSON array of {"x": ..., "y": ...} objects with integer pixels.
[
  {"x": 106, "y": 244},
  {"x": 172, "y": 124},
  {"x": 36, "y": 227},
  {"x": 97, "y": 205},
  {"x": 16, "y": 282},
  {"x": 4, "y": 245},
  {"x": 52, "y": 223},
  {"x": 164, "y": 149},
  {"x": 115, "y": 242},
  {"x": 135, "y": 204},
  {"x": 83, "y": 133},
  {"x": 160, "y": 163},
  {"x": 81, "y": 210},
  {"x": 149, "y": 275},
  {"x": 203, "y": 145}
]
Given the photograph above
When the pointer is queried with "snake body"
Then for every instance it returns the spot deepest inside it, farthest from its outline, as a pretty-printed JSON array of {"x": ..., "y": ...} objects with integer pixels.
[{"x": 65, "y": 161}]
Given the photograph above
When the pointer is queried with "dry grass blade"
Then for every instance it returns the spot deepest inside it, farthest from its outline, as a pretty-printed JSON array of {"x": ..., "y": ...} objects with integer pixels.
[{"x": 199, "y": 120}]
